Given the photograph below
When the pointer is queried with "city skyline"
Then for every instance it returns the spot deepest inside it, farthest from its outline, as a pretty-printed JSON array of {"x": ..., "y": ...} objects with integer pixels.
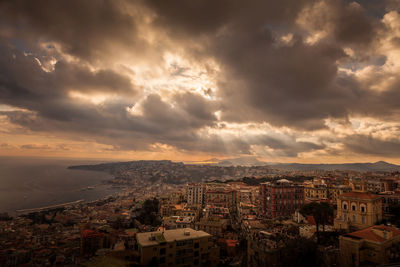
[{"x": 295, "y": 81}]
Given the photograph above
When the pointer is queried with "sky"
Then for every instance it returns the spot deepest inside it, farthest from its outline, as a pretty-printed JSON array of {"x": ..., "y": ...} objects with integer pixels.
[{"x": 291, "y": 81}]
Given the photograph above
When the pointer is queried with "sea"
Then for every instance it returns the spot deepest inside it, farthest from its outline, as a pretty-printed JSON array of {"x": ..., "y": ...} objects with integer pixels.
[{"x": 27, "y": 183}]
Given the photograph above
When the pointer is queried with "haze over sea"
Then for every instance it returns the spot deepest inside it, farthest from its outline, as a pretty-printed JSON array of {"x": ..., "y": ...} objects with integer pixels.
[{"x": 31, "y": 183}]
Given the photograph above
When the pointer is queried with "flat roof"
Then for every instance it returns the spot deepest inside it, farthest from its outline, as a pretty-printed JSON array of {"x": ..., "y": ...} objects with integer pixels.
[{"x": 143, "y": 239}]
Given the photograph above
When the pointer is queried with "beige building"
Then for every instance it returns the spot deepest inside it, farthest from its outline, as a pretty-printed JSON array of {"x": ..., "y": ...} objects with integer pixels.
[
  {"x": 195, "y": 194},
  {"x": 315, "y": 192},
  {"x": 214, "y": 226},
  {"x": 171, "y": 210},
  {"x": 178, "y": 247},
  {"x": 335, "y": 191},
  {"x": 358, "y": 210},
  {"x": 372, "y": 246},
  {"x": 221, "y": 197}
]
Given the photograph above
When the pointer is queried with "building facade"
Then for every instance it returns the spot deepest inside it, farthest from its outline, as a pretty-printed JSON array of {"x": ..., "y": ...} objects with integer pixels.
[
  {"x": 315, "y": 192},
  {"x": 195, "y": 194},
  {"x": 358, "y": 210},
  {"x": 178, "y": 247},
  {"x": 389, "y": 198},
  {"x": 281, "y": 198},
  {"x": 334, "y": 191},
  {"x": 372, "y": 246},
  {"x": 221, "y": 197}
]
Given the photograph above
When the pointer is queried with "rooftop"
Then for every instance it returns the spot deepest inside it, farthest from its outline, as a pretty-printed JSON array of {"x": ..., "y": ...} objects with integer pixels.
[
  {"x": 361, "y": 195},
  {"x": 88, "y": 233},
  {"x": 144, "y": 239},
  {"x": 376, "y": 233}
]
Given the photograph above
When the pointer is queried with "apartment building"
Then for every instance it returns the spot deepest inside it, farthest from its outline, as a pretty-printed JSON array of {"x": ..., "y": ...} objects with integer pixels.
[
  {"x": 195, "y": 194},
  {"x": 281, "y": 198},
  {"x": 178, "y": 247}
]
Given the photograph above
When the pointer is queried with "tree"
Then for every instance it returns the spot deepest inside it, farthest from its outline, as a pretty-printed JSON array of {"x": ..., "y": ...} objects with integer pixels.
[
  {"x": 322, "y": 212},
  {"x": 149, "y": 213},
  {"x": 394, "y": 212}
]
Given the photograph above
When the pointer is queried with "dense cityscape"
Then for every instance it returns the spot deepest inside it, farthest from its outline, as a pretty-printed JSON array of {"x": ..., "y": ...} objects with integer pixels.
[
  {"x": 271, "y": 218},
  {"x": 200, "y": 133}
]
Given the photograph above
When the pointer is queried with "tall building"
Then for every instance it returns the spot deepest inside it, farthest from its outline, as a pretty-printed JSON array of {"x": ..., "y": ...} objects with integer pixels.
[
  {"x": 178, "y": 247},
  {"x": 195, "y": 194},
  {"x": 281, "y": 198},
  {"x": 357, "y": 210},
  {"x": 372, "y": 246}
]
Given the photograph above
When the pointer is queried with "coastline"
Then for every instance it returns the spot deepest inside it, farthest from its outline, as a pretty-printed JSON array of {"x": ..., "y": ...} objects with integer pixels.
[
  {"x": 46, "y": 183},
  {"x": 72, "y": 204}
]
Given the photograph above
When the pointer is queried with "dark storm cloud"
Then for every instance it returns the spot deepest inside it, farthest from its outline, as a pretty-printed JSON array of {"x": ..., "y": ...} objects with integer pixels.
[
  {"x": 24, "y": 84},
  {"x": 197, "y": 106},
  {"x": 366, "y": 144},
  {"x": 49, "y": 107},
  {"x": 86, "y": 29},
  {"x": 353, "y": 26},
  {"x": 296, "y": 84},
  {"x": 293, "y": 83},
  {"x": 286, "y": 146},
  {"x": 205, "y": 17}
]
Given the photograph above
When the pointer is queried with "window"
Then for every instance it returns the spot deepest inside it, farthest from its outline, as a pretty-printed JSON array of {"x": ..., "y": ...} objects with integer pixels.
[
  {"x": 363, "y": 208},
  {"x": 162, "y": 260},
  {"x": 354, "y": 218},
  {"x": 363, "y": 219},
  {"x": 162, "y": 251},
  {"x": 345, "y": 206},
  {"x": 196, "y": 245},
  {"x": 353, "y": 207}
]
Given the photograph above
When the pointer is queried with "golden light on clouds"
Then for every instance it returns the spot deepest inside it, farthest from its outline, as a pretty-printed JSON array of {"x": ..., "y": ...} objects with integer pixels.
[{"x": 312, "y": 81}]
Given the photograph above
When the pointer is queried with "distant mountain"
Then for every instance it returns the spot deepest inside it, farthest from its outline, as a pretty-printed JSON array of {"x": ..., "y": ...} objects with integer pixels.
[
  {"x": 360, "y": 167},
  {"x": 253, "y": 161},
  {"x": 243, "y": 161}
]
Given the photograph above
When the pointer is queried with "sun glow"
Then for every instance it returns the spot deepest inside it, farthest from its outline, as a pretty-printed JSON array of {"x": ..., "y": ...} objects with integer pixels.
[{"x": 95, "y": 99}]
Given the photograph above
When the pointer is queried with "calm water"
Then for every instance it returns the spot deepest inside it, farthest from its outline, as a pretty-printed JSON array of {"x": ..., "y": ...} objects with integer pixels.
[{"x": 31, "y": 183}]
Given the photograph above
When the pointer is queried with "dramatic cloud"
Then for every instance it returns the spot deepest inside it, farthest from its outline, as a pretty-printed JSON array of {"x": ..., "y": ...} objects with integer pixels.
[
  {"x": 293, "y": 80},
  {"x": 85, "y": 29}
]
